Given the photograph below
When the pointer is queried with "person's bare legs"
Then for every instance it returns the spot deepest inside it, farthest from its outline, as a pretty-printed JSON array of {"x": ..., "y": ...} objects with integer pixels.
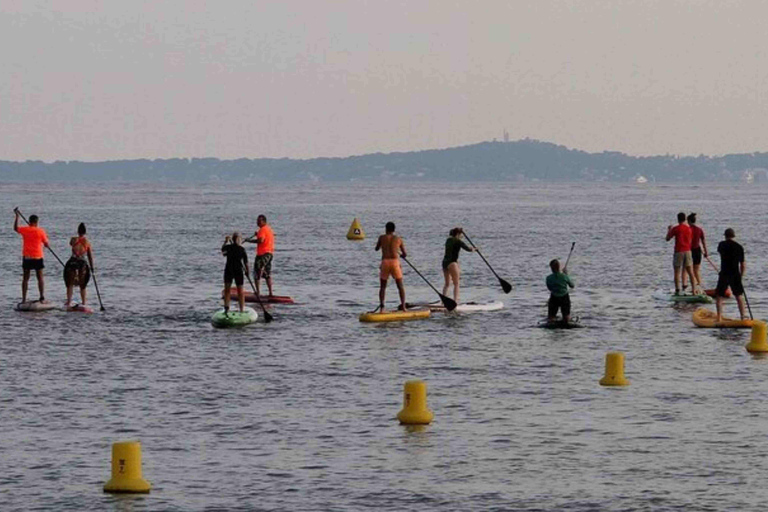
[
  {"x": 740, "y": 302},
  {"x": 401, "y": 291},
  {"x": 697, "y": 274},
  {"x": 24, "y": 285},
  {"x": 453, "y": 270},
  {"x": 447, "y": 279},
  {"x": 82, "y": 295},
  {"x": 382, "y": 294},
  {"x": 689, "y": 271},
  {"x": 227, "y": 287},
  {"x": 269, "y": 284},
  {"x": 240, "y": 298},
  {"x": 719, "y": 306},
  {"x": 677, "y": 279},
  {"x": 40, "y": 283}
]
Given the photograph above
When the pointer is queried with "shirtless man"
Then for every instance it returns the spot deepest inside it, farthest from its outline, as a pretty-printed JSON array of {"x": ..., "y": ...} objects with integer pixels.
[{"x": 392, "y": 247}]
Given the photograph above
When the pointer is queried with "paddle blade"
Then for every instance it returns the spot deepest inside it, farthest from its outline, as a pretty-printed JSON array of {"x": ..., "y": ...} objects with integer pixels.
[
  {"x": 449, "y": 303},
  {"x": 267, "y": 317},
  {"x": 505, "y": 285}
]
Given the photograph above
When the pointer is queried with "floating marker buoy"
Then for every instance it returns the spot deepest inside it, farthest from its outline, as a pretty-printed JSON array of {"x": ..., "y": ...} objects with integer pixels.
[
  {"x": 415, "y": 411},
  {"x": 759, "y": 341},
  {"x": 614, "y": 370},
  {"x": 126, "y": 469},
  {"x": 355, "y": 231}
]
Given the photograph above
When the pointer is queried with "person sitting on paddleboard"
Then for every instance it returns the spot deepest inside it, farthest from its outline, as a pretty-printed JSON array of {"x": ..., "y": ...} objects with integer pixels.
[
  {"x": 392, "y": 247},
  {"x": 451, "y": 271},
  {"x": 77, "y": 269},
  {"x": 698, "y": 242},
  {"x": 558, "y": 284},
  {"x": 732, "y": 268},
  {"x": 683, "y": 236},
  {"x": 237, "y": 260},
  {"x": 32, "y": 253},
  {"x": 264, "y": 237}
]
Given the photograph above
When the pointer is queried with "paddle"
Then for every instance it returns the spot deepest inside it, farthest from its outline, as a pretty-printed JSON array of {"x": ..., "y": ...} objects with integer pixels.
[
  {"x": 267, "y": 316},
  {"x": 504, "y": 284},
  {"x": 93, "y": 275},
  {"x": 25, "y": 220},
  {"x": 573, "y": 244},
  {"x": 449, "y": 303}
]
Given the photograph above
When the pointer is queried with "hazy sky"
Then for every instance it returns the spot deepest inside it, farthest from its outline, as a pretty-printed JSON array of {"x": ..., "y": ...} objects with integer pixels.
[{"x": 98, "y": 80}]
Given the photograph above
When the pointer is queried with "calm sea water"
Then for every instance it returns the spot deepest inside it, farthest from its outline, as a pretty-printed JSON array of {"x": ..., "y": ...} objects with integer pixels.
[{"x": 299, "y": 414}]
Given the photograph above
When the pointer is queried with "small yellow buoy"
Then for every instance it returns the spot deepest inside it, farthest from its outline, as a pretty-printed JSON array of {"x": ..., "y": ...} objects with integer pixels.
[
  {"x": 355, "y": 231},
  {"x": 126, "y": 469},
  {"x": 759, "y": 341},
  {"x": 614, "y": 370},
  {"x": 415, "y": 411}
]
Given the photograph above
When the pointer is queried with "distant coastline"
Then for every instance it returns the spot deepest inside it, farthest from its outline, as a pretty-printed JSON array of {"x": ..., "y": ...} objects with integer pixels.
[{"x": 524, "y": 160}]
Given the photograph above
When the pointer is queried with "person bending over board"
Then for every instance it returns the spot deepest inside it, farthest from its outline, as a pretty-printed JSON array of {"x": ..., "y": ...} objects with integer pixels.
[
  {"x": 732, "y": 268},
  {"x": 264, "y": 237},
  {"x": 698, "y": 242},
  {"x": 77, "y": 271},
  {"x": 558, "y": 284},
  {"x": 32, "y": 253},
  {"x": 451, "y": 271},
  {"x": 682, "y": 259},
  {"x": 237, "y": 260},
  {"x": 392, "y": 247}
]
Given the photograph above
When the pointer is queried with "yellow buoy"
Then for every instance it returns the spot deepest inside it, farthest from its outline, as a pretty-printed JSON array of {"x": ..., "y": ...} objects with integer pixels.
[
  {"x": 355, "y": 231},
  {"x": 415, "y": 411},
  {"x": 126, "y": 469},
  {"x": 759, "y": 341},
  {"x": 614, "y": 370}
]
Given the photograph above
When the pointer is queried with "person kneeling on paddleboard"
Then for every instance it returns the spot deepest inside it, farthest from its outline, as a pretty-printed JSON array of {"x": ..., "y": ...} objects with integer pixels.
[
  {"x": 237, "y": 261},
  {"x": 78, "y": 270},
  {"x": 732, "y": 268},
  {"x": 558, "y": 284},
  {"x": 32, "y": 251}
]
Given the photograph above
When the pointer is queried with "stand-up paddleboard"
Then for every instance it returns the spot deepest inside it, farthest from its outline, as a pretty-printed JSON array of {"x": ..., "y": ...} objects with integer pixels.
[
  {"x": 701, "y": 298},
  {"x": 395, "y": 316},
  {"x": 265, "y": 299},
  {"x": 35, "y": 305},
  {"x": 234, "y": 318},
  {"x": 704, "y": 317},
  {"x": 467, "y": 307},
  {"x": 573, "y": 323},
  {"x": 79, "y": 308}
]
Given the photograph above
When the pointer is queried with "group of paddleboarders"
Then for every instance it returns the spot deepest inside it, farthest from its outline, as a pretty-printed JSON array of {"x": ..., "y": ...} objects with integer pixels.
[
  {"x": 77, "y": 270},
  {"x": 236, "y": 267},
  {"x": 691, "y": 245}
]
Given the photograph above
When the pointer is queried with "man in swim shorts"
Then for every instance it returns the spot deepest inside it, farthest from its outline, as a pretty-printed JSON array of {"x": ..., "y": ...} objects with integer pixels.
[
  {"x": 698, "y": 242},
  {"x": 392, "y": 248},
  {"x": 32, "y": 253},
  {"x": 732, "y": 268},
  {"x": 682, "y": 259},
  {"x": 264, "y": 237}
]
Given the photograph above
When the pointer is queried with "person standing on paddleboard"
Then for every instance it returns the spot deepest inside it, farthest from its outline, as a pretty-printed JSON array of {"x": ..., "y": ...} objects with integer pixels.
[
  {"x": 77, "y": 269},
  {"x": 732, "y": 268},
  {"x": 264, "y": 237},
  {"x": 698, "y": 242},
  {"x": 32, "y": 253},
  {"x": 451, "y": 271},
  {"x": 392, "y": 248},
  {"x": 237, "y": 261},
  {"x": 682, "y": 259},
  {"x": 559, "y": 298}
]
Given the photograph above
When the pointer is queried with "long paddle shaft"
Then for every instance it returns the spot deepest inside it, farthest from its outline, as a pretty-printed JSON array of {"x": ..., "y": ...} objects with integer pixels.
[
  {"x": 504, "y": 284},
  {"x": 573, "y": 244},
  {"x": 449, "y": 303},
  {"x": 267, "y": 316},
  {"x": 93, "y": 274},
  {"x": 746, "y": 299},
  {"x": 25, "y": 220}
]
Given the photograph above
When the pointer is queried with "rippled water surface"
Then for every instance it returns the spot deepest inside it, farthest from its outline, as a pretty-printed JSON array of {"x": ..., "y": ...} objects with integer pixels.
[{"x": 299, "y": 414}]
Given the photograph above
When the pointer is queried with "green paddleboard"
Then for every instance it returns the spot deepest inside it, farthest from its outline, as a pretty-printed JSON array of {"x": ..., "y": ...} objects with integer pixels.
[
  {"x": 234, "y": 318},
  {"x": 688, "y": 299}
]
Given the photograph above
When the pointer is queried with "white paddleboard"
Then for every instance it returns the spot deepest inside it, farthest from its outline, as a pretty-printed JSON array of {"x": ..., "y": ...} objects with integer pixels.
[
  {"x": 467, "y": 307},
  {"x": 35, "y": 305}
]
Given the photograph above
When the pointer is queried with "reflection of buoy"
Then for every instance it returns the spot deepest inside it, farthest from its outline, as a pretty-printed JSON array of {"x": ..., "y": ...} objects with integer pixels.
[
  {"x": 614, "y": 370},
  {"x": 415, "y": 411},
  {"x": 759, "y": 341},
  {"x": 126, "y": 469},
  {"x": 355, "y": 231}
]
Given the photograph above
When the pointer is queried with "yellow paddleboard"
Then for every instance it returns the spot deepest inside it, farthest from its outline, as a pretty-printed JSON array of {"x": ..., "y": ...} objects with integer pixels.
[
  {"x": 395, "y": 316},
  {"x": 704, "y": 317}
]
